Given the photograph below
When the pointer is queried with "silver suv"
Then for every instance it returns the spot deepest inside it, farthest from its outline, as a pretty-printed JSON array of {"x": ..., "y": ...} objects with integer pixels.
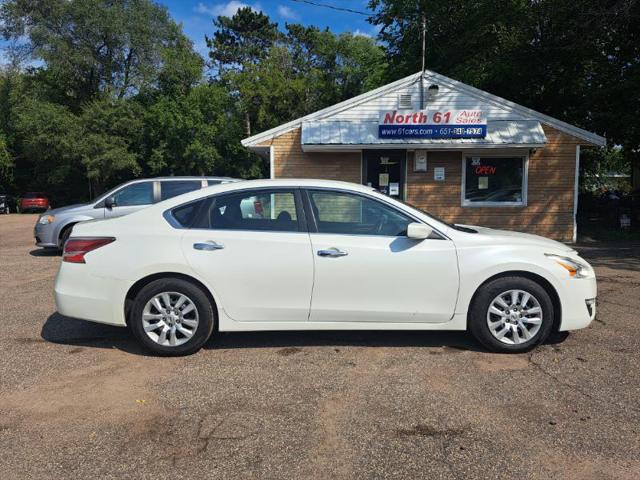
[{"x": 54, "y": 226}]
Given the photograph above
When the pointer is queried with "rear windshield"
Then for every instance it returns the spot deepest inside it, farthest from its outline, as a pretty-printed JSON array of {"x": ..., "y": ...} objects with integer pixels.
[{"x": 34, "y": 195}]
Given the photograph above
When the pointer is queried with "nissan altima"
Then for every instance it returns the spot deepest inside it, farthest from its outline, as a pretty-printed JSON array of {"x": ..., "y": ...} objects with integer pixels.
[{"x": 316, "y": 255}]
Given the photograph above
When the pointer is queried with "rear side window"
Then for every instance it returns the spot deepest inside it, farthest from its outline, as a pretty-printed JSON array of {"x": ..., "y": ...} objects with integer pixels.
[
  {"x": 173, "y": 188},
  {"x": 187, "y": 215},
  {"x": 214, "y": 182},
  {"x": 262, "y": 210}
]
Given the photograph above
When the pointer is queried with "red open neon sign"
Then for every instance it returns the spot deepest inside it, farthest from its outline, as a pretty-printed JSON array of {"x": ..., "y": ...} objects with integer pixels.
[{"x": 485, "y": 170}]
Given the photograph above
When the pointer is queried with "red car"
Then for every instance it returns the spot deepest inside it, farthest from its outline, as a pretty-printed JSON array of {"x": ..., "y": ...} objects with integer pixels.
[{"x": 34, "y": 202}]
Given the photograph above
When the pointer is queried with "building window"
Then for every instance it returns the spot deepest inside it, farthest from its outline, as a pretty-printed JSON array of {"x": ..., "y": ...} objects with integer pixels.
[{"x": 494, "y": 181}]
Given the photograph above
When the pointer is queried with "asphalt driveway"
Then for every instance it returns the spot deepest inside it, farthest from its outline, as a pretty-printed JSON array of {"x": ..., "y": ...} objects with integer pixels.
[{"x": 80, "y": 400}]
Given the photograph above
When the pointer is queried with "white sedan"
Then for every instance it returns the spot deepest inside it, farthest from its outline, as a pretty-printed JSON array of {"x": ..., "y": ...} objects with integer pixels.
[{"x": 321, "y": 255}]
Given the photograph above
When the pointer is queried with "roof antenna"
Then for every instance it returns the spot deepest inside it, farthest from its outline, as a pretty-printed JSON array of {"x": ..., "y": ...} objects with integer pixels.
[{"x": 424, "y": 45}]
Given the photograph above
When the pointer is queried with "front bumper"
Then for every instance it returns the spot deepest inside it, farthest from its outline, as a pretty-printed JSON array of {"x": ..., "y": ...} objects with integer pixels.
[
  {"x": 578, "y": 303},
  {"x": 45, "y": 235}
]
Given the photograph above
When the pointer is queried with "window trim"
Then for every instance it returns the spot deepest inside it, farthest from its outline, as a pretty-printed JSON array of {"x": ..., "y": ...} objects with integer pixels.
[
  {"x": 313, "y": 225},
  {"x": 298, "y": 200},
  {"x": 525, "y": 179}
]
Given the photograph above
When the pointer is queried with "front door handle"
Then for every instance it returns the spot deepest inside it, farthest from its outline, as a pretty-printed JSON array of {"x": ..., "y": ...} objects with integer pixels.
[
  {"x": 332, "y": 252},
  {"x": 208, "y": 246}
]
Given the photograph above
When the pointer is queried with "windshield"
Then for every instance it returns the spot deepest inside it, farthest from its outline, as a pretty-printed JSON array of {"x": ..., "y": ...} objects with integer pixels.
[
  {"x": 404, "y": 202},
  {"x": 450, "y": 225}
]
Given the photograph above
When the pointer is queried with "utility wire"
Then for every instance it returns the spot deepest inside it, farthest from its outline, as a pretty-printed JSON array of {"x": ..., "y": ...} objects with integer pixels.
[{"x": 333, "y": 7}]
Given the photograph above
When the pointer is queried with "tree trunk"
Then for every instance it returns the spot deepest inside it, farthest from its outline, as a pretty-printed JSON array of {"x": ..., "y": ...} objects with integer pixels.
[
  {"x": 635, "y": 187},
  {"x": 247, "y": 124}
]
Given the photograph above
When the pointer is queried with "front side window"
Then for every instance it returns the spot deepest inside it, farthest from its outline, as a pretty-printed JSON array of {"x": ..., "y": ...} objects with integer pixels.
[
  {"x": 173, "y": 188},
  {"x": 135, "y": 194},
  {"x": 494, "y": 180},
  {"x": 274, "y": 210},
  {"x": 350, "y": 214}
]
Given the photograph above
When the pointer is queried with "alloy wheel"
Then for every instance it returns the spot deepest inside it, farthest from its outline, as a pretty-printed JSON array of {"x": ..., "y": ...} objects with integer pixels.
[
  {"x": 514, "y": 317},
  {"x": 170, "y": 319}
]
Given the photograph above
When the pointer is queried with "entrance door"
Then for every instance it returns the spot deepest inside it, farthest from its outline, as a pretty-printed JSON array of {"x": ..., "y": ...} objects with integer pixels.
[{"x": 384, "y": 171}]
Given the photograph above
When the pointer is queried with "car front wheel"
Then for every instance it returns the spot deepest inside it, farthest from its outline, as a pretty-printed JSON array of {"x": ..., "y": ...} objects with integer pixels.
[
  {"x": 511, "y": 314},
  {"x": 172, "y": 317}
]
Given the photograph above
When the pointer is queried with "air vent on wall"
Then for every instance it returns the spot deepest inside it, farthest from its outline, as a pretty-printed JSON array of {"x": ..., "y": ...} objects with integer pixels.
[{"x": 405, "y": 102}]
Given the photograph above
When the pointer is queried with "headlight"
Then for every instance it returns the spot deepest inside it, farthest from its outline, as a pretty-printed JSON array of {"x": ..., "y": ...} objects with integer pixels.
[
  {"x": 46, "y": 219},
  {"x": 575, "y": 268}
]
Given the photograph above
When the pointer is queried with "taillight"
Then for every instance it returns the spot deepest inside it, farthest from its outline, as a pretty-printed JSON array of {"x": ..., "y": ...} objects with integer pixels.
[{"x": 76, "y": 248}]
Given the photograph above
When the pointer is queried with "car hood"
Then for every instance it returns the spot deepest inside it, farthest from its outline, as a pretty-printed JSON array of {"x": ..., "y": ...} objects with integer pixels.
[
  {"x": 69, "y": 209},
  {"x": 517, "y": 238}
]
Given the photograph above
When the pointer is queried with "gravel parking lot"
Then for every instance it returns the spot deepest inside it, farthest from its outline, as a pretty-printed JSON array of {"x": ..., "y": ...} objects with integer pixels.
[{"x": 81, "y": 400}]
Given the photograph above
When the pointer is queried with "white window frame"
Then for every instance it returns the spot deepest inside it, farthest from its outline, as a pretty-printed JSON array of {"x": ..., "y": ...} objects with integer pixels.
[{"x": 525, "y": 179}]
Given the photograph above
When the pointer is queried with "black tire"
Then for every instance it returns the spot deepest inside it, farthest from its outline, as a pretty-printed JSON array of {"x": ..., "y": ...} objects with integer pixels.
[
  {"x": 478, "y": 312},
  {"x": 205, "y": 310},
  {"x": 64, "y": 236}
]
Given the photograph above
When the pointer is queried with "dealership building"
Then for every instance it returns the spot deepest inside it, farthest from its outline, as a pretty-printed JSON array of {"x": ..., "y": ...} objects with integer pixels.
[{"x": 457, "y": 152}]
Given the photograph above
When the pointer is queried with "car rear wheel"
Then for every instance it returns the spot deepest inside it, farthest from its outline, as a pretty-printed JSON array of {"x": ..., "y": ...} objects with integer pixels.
[
  {"x": 172, "y": 317},
  {"x": 511, "y": 314}
]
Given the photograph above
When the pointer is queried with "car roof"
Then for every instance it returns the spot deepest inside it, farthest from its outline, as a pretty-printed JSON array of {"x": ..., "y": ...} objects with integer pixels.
[
  {"x": 300, "y": 182},
  {"x": 268, "y": 183},
  {"x": 193, "y": 177},
  {"x": 178, "y": 178}
]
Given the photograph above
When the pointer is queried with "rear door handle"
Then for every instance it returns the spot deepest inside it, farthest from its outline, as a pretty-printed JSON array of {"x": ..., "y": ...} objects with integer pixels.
[
  {"x": 208, "y": 246},
  {"x": 332, "y": 252}
]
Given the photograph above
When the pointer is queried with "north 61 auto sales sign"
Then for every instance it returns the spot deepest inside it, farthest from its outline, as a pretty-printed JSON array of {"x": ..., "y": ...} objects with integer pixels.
[{"x": 432, "y": 124}]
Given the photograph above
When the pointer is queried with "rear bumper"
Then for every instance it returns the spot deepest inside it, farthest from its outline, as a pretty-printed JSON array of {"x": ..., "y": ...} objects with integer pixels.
[
  {"x": 79, "y": 294},
  {"x": 32, "y": 207},
  {"x": 578, "y": 304}
]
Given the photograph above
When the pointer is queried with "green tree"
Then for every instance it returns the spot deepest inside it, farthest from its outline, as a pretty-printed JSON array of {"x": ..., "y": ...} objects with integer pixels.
[
  {"x": 575, "y": 60},
  {"x": 275, "y": 76},
  {"x": 47, "y": 136},
  {"x": 6, "y": 165},
  {"x": 109, "y": 142},
  {"x": 240, "y": 40},
  {"x": 96, "y": 46}
]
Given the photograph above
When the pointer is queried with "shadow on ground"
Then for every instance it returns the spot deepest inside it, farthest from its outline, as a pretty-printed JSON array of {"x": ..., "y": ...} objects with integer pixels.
[
  {"x": 45, "y": 252},
  {"x": 68, "y": 331},
  {"x": 622, "y": 256}
]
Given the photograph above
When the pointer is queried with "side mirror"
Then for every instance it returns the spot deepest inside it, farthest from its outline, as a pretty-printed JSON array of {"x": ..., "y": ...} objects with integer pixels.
[
  {"x": 109, "y": 202},
  {"x": 418, "y": 231}
]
